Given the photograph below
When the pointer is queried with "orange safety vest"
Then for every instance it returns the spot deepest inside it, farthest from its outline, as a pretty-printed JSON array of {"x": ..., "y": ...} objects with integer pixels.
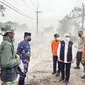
[{"x": 54, "y": 47}]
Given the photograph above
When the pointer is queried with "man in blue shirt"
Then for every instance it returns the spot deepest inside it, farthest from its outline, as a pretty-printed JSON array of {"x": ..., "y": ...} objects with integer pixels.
[{"x": 24, "y": 51}]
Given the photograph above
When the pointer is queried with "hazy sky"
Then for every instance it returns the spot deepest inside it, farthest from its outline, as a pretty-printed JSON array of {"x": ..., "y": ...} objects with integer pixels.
[{"x": 52, "y": 10}]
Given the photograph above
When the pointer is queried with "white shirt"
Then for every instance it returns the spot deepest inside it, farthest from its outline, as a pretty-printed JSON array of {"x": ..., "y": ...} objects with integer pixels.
[{"x": 66, "y": 51}]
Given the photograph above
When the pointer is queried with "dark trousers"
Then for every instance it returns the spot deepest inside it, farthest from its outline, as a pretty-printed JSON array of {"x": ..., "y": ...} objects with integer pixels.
[
  {"x": 78, "y": 58},
  {"x": 65, "y": 73},
  {"x": 55, "y": 61},
  {"x": 59, "y": 63},
  {"x": 21, "y": 82}
]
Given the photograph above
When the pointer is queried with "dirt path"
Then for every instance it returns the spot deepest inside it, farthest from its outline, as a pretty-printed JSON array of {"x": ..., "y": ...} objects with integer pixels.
[{"x": 40, "y": 73}]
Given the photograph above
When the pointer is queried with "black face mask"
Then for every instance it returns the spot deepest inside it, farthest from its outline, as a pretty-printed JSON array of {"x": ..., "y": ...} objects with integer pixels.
[
  {"x": 79, "y": 35},
  {"x": 29, "y": 39}
]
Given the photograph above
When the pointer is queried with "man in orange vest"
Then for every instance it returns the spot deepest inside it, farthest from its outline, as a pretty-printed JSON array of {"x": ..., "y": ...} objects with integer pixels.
[{"x": 54, "y": 47}]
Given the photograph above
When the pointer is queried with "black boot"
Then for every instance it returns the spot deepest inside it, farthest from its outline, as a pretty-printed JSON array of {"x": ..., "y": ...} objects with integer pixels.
[
  {"x": 83, "y": 77},
  {"x": 53, "y": 73},
  {"x": 21, "y": 82}
]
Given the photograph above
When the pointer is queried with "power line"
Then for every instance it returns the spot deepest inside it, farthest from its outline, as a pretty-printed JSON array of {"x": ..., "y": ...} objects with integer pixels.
[
  {"x": 16, "y": 10},
  {"x": 33, "y": 4},
  {"x": 28, "y": 5},
  {"x": 11, "y": 5}
]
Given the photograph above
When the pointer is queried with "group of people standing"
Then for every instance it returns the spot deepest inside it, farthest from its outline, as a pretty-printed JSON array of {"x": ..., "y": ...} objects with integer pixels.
[
  {"x": 64, "y": 53},
  {"x": 14, "y": 63}
]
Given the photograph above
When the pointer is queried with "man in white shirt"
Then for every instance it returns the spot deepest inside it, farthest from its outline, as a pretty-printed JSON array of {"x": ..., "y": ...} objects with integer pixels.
[{"x": 66, "y": 54}]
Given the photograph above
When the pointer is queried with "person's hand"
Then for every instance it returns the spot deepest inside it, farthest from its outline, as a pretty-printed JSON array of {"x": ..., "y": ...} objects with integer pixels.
[
  {"x": 17, "y": 56},
  {"x": 59, "y": 60},
  {"x": 73, "y": 61}
]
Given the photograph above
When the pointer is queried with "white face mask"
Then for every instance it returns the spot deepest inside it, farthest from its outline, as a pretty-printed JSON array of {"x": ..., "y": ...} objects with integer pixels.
[
  {"x": 57, "y": 38},
  {"x": 67, "y": 39}
]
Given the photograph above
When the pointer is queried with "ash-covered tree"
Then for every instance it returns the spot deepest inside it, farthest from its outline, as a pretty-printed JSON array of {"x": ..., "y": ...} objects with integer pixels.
[
  {"x": 71, "y": 21},
  {"x": 2, "y": 10}
]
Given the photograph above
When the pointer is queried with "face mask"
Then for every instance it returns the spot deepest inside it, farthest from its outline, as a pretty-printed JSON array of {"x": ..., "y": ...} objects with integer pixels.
[
  {"x": 29, "y": 39},
  {"x": 57, "y": 38},
  {"x": 67, "y": 39},
  {"x": 79, "y": 35},
  {"x": 11, "y": 35}
]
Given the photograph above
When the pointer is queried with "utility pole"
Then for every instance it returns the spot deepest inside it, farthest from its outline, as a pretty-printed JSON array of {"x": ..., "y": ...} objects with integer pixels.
[
  {"x": 37, "y": 19},
  {"x": 83, "y": 15}
]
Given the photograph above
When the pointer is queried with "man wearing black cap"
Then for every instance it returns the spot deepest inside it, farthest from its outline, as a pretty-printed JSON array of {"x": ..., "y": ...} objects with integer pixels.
[
  {"x": 24, "y": 51},
  {"x": 54, "y": 47}
]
